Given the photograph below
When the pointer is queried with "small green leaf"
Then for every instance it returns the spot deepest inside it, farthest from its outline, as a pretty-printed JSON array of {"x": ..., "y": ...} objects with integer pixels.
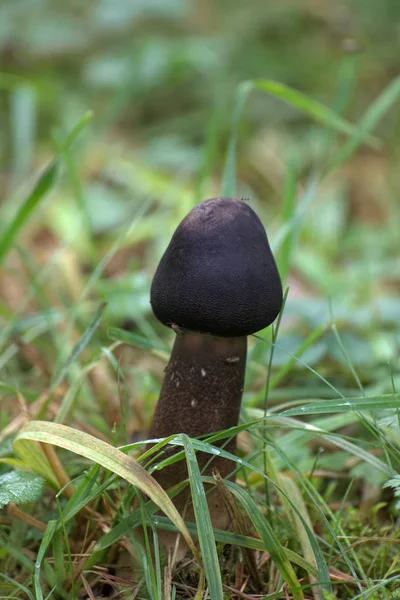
[{"x": 20, "y": 487}]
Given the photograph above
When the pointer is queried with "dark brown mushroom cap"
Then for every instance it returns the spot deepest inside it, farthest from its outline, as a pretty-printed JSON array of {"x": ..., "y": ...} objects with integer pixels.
[{"x": 218, "y": 274}]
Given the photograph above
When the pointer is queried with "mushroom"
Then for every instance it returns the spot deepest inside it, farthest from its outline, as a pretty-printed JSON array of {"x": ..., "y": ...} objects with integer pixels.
[{"x": 216, "y": 283}]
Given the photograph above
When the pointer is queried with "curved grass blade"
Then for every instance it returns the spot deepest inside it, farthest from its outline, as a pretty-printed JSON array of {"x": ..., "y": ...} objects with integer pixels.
[
  {"x": 42, "y": 187},
  {"x": 18, "y": 585},
  {"x": 312, "y": 108},
  {"x": 110, "y": 458}
]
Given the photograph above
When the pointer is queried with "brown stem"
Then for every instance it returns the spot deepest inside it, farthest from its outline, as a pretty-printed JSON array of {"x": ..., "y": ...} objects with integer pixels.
[{"x": 201, "y": 393}]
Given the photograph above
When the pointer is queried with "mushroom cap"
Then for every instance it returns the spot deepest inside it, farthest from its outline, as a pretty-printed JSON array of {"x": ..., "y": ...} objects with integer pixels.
[{"x": 218, "y": 274}]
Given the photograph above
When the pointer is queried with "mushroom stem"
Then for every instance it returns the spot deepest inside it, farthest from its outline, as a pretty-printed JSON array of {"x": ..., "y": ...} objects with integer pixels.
[{"x": 201, "y": 393}]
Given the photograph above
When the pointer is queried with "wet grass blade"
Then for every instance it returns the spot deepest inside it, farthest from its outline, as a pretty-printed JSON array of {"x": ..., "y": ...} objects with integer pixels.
[
  {"x": 46, "y": 541},
  {"x": 346, "y": 404}
]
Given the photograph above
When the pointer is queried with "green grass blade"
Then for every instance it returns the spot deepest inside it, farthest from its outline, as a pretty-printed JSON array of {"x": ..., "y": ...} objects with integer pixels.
[
  {"x": 133, "y": 339},
  {"x": 293, "y": 492},
  {"x": 59, "y": 560},
  {"x": 110, "y": 458},
  {"x": 229, "y": 175},
  {"x": 327, "y": 516},
  {"x": 305, "y": 345},
  {"x": 204, "y": 526},
  {"x": 371, "y": 593},
  {"x": 234, "y": 539},
  {"x": 80, "y": 345},
  {"x": 312, "y": 108},
  {"x": 46, "y": 541},
  {"x": 209, "y": 449},
  {"x": 18, "y": 585},
  {"x": 293, "y": 226},
  {"x": 80, "y": 126},
  {"x": 336, "y": 440},
  {"x": 378, "y": 403},
  {"x": 269, "y": 538},
  {"x": 346, "y": 356},
  {"x": 42, "y": 187},
  {"x": 374, "y": 113},
  {"x": 210, "y": 152},
  {"x": 288, "y": 212},
  {"x": 23, "y": 130}
]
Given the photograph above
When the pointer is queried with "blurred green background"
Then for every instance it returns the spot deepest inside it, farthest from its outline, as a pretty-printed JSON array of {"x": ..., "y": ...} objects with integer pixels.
[
  {"x": 116, "y": 118},
  {"x": 161, "y": 77}
]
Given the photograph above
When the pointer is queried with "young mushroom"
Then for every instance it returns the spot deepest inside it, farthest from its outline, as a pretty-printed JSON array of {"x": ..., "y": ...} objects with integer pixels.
[{"x": 216, "y": 283}]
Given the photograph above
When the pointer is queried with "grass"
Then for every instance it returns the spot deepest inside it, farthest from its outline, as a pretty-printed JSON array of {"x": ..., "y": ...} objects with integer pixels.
[{"x": 85, "y": 217}]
